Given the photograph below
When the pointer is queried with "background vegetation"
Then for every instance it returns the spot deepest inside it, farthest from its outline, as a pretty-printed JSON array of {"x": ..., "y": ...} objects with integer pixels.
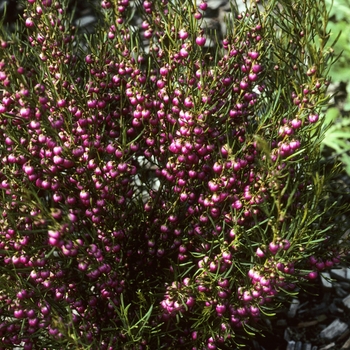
[
  {"x": 337, "y": 138},
  {"x": 238, "y": 211}
]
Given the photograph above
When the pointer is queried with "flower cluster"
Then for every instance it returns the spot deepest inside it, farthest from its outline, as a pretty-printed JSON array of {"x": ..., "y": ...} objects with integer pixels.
[{"x": 158, "y": 196}]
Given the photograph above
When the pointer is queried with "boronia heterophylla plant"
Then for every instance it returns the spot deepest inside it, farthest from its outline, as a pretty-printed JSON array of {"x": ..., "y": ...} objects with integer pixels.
[{"x": 167, "y": 194}]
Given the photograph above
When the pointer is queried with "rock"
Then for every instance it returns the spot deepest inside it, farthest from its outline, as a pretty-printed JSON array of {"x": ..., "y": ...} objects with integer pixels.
[
  {"x": 346, "y": 302},
  {"x": 334, "y": 309},
  {"x": 281, "y": 323},
  {"x": 325, "y": 279},
  {"x": 342, "y": 274},
  {"x": 307, "y": 346},
  {"x": 319, "y": 309},
  {"x": 3, "y": 5},
  {"x": 298, "y": 345},
  {"x": 346, "y": 345},
  {"x": 210, "y": 24},
  {"x": 315, "y": 321},
  {"x": 345, "y": 285},
  {"x": 330, "y": 346},
  {"x": 335, "y": 329},
  {"x": 291, "y": 345},
  {"x": 293, "y": 308},
  {"x": 339, "y": 291},
  {"x": 85, "y": 21},
  {"x": 287, "y": 335}
]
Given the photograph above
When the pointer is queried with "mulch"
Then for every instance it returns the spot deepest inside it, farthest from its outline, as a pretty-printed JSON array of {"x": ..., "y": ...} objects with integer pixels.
[{"x": 318, "y": 318}]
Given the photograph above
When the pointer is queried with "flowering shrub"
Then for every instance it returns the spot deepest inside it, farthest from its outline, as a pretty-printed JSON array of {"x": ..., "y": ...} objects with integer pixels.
[{"x": 163, "y": 195}]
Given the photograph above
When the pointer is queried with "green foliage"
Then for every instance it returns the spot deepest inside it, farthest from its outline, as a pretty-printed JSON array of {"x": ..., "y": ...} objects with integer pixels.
[
  {"x": 337, "y": 136},
  {"x": 161, "y": 193},
  {"x": 340, "y": 70}
]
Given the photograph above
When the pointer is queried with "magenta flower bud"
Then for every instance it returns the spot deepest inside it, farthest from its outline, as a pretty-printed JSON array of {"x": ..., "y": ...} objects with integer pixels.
[
  {"x": 46, "y": 184},
  {"x": 198, "y": 15},
  {"x": 285, "y": 244},
  {"x": 183, "y": 53},
  {"x": 296, "y": 123},
  {"x": 313, "y": 118},
  {"x": 280, "y": 266},
  {"x": 61, "y": 103},
  {"x": 163, "y": 71},
  {"x": 22, "y": 294},
  {"x": 202, "y": 288},
  {"x": 336, "y": 259},
  {"x": 39, "y": 10},
  {"x": 245, "y": 68},
  {"x": 254, "y": 310},
  {"x": 289, "y": 269},
  {"x": 217, "y": 167},
  {"x": 203, "y": 6},
  {"x": 222, "y": 294},
  {"x": 226, "y": 255},
  {"x": 253, "y": 55},
  {"x": 294, "y": 145},
  {"x": 190, "y": 301},
  {"x": 320, "y": 265},
  {"x": 213, "y": 267},
  {"x": 3, "y": 76},
  {"x": 183, "y": 34},
  {"x": 84, "y": 195},
  {"x": 244, "y": 85},
  {"x": 148, "y": 34},
  {"x": 45, "y": 310},
  {"x": 53, "y": 241},
  {"x": 220, "y": 309},
  {"x": 29, "y": 22},
  {"x": 253, "y": 76},
  {"x": 247, "y": 296},
  {"x": 101, "y": 104},
  {"x": 224, "y": 283},
  {"x": 46, "y": 3},
  {"x": 264, "y": 281},
  {"x": 24, "y": 112},
  {"x": 144, "y": 25},
  {"x": 242, "y": 311},
  {"x": 92, "y": 103},
  {"x": 311, "y": 71},
  {"x": 147, "y": 4},
  {"x": 256, "y": 68},
  {"x": 54, "y": 234},
  {"x": 329, "y": 263},
  {"x": 19, "y": 313},
  {"x": 57, "y": 160},
  {"x": 237, "y": 205},
  {"x": 312, "y": 275},
  {"x": 273, "y": 248},
  {"x": 31, "y": 313},
  {"x": 213, "y": 186},
  {"x": 313, "y": 260},
  {"x": 200, "y": 40},
  {"x": 256, "y": 293},
  {"x": 260, "y": 253},
  {"x": 34, "y": 124},
  {"x": 67, "y": 163},
  {"x": 251, "y": 274},
  {"x": 33, "y": 322}
]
